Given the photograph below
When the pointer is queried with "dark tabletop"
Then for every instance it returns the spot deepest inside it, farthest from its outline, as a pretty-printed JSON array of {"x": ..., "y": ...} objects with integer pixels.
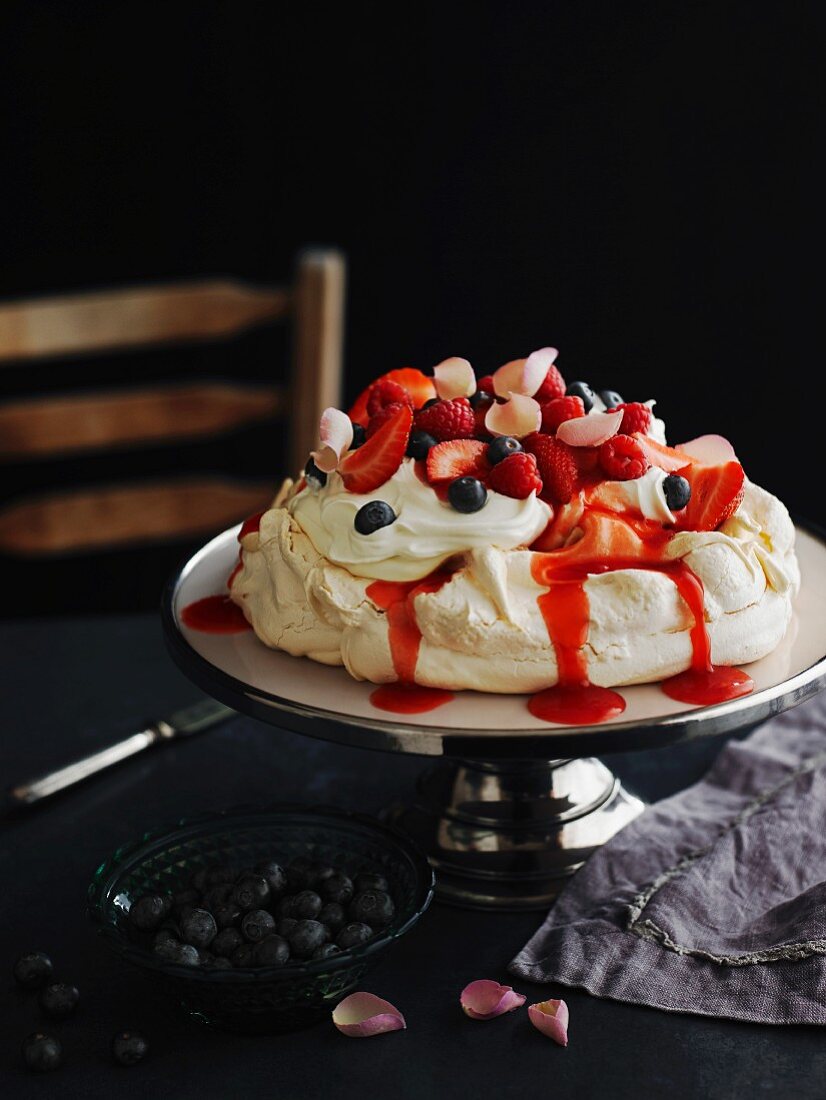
[{"x": 71, "y": 686}]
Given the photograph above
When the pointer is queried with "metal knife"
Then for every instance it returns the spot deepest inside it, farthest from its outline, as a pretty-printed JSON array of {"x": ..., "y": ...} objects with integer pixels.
[{"x": 183, "y": 723}]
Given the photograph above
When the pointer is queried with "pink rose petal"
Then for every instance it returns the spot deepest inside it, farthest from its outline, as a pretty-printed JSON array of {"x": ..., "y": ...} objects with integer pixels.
[
  {"x": 520, "y": 415},
  {"x": 590, "y": 430},
  {"x": 709, "y": 449},
  {"x": 484, "y": 999},
  {"x": 454, "y": 377},
  {"x": 362, "y": 1015},
  {"x": 524, "y": 376},
  {"x": 336, "y": 434},
  {"x": 551, "y": 1018},
  {"x": 667, "y": 458}
]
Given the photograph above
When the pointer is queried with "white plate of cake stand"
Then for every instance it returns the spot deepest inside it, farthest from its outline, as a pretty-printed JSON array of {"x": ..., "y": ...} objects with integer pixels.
[{"x": 513, "y": 805}]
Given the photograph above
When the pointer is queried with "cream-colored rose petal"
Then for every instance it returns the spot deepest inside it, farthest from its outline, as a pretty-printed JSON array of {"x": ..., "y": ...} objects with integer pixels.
[
  {"x": 336, "y": 435},
  {"x": 523, "y": 376},
  {"x": 362, "y": 1015},
  {"x": 591, "y": 430},
  {"x": 454, "y": 377},
  {"x": 519, "y": 416},
  {"x": 709, "y": 449},
  {"x": 551, "y": 1018}
]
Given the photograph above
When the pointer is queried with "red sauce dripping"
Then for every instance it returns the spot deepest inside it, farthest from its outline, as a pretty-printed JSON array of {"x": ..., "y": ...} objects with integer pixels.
[
  {"x": 215, "y": 615},
  {"x": 396, "y": 598}
]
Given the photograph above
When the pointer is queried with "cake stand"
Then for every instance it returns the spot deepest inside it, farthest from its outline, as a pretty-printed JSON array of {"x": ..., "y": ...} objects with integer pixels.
[{"x": 513, "y": 806}]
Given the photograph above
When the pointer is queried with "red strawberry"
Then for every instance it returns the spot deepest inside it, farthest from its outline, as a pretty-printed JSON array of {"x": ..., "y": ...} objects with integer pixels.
[
  {"x": 622, "y": 458},
  {"x": 378, "y": 459},
  {"x": 418, "y": 386},
  {"x": 716, "y": 494},
  {"x": 553, "y": 386},
  {"x": 636, "y": 417},
  {"x": 559, "y": 410},
  {"x": 486, "y": 384},
  {"x": 383, "y": 414},
  {"x": 447, "y": 420},
  {"x": 516, "y": 476},
  {"x": 386, "y": 392},
  {"x": 457, "y": 458},
  {"x": 556, "y": 464}
]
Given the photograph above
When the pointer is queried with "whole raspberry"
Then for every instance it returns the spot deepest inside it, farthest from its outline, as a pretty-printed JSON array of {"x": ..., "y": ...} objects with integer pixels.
[
  {"x": 381, "y": 416},
  {"x": 384, "y": 393},
  {"x": 553, "y": 386},
  {"x": 636, "y": 417},
  {"x": 447, "y": 420},
  {"x": 559, "y": 410},
  {"x": 622, "y": 458},
  {"x": 515, "y": 476},
  {"x": 485, "y": 384},
  {"x": 556, "y": 464}
]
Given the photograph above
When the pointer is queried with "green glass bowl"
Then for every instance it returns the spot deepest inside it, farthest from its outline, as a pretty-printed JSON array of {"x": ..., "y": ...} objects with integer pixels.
[{"x": 264, "y": 999}]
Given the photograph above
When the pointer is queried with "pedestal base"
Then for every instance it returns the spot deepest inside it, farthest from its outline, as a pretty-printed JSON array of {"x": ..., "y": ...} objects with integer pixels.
[{"x": 508, "y": 835}]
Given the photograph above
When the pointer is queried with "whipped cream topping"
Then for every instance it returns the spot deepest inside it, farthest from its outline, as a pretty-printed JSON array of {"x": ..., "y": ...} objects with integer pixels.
[
  {"x": 645, "y": 495},
  {"x": 426, "y": 532}
]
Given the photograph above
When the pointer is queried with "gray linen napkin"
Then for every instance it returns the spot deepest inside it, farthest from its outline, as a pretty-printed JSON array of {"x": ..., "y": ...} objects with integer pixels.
[{"x": 713, "y": 901}]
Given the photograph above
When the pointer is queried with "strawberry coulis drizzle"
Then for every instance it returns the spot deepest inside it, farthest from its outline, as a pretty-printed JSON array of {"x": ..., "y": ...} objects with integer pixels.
[{"x": 218, "y": 614}]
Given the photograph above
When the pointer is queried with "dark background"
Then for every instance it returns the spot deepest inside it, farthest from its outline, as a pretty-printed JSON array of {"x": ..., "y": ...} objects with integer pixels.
[{"x": 637, "y": 184}]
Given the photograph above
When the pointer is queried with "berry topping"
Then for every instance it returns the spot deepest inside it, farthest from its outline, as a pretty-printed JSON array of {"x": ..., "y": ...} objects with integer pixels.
[
  {"x": 481, "y": 399},
  {"x": 516, "y": 476},
  {"x": 552, "y": 387},
  {"x": 383, "y": 393},
  {"x": 359, "y": 436},
  {"x": 622, "y": 458},
  {"x": 677, "y": 492},
  {"x": 636, "y": 417},
  {"x": 372, "y": 464},
  {"x": 501, "y": 447},
  {"x": 373, "y": 515},
  {"x": 314, "y": 475},
  {"x": 583, "y": 390},
  {"x": 448, "y": 420},
  {"x": 416, "y": 385},
  {"x": 556, "y": 465},
  {"x": 381, "y": 416},
  {"x": 716, "y": 494},
  {"x": 419, "y": 444},
  {"x": 559, "y": 410},
  {"x": 466, "y": 494},
  {"x": 610, "y": 398},
  {"x": 485, "y": 385},
  {"x": 457, "y": 458}
]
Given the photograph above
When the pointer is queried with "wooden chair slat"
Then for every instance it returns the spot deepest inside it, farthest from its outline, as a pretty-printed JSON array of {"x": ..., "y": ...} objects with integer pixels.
[
  {"x": 42, "y": 427},
  {"x": 106, "y": 517},
  {"x": 133, "y": 317}
]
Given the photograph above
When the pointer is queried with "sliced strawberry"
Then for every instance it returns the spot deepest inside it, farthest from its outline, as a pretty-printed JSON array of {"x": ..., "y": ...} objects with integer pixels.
[
  {"x": 418, "y": 386},
  {"x": 457, "y": 458},
  {"x": 667, "y": 458},
  {"x": 716, "y": 494},
  {"x": 378, "y": 459}
]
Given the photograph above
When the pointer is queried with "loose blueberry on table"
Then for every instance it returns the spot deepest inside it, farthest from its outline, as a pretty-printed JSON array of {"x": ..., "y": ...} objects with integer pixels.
[
  {"x": 129, "y": 1048},
  {"x": 42, "y": 1052},
  {"x": 33, "y": 970}
]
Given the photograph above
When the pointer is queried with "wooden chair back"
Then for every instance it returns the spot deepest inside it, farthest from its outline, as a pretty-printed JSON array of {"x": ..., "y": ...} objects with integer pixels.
[{"x": 104, "y": 515}]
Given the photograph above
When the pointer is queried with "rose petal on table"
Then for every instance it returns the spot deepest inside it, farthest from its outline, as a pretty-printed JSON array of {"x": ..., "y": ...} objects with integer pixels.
[
  {"x": 709, "y": 449},
  {"x": 520, "y": 415},
  {"x": 362, "y": 1015},
  {"x": 524, "y": 376},
  {"x": 551, "y": 1018},
  {"x": 454, "y": 377},
  {"x": 336, "y": 435},
  {"x": 591, "y": 430},
  {"x": 484, "y": 999}
]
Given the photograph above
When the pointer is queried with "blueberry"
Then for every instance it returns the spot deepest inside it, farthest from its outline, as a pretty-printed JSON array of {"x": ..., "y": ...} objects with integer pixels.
[
  {"x": 373, "y": 907},
  {"x": 502, "y": 447},
  {"x": 306, "y": 905},
  {"x": 677, "y": 492},
  {"x": 481, "y": 399},
  {"x": 333, "y": 916},
  {"x": 325, "y": 951},
  {"x": 187, "y": 955},
  {"x": 306, "y": 937},
  {"x": 59, "y": 999},
  {"x": 284, "y": 907},
  {"x": 430, "y": 402},
  {"x": 244, "y": 955},
  {"x": 198, "y": 879},
  {"x": 227, "y": 941},
  {"x": 467, "y": 494},
  {"x": 583, "y": 390},
  {"x": 354, "y": 934},
  {"x": 42, "y": 1052},
  {"x": 419, "y": 444},
  {"x": 272, "y": 951},
  {"x": 33, "y": 969},
  {"x": 226, "y": 915},
  {"x": 198, "y": 927},
  {"x": 129, "y": 1048},
  {"x": 313, "y": 475},
  {"x": 359, "y": 436},
  {"x": 218, "y": 962},
  {"x": 610, "y": 398},
  {"x": 252, "y": 892},
  {"x": 167, "y": 948},
  {"x": 323, "y": 871},
  {"x": 275, "y": 875},
  {"x": 285, "y": 926},
  {"x": 185, "y": 899},
  {"x": 338, "y": 887},
  {"x": 372, "y": 516},
  {"x": 148, "y": 911},
  {"x": 371, "y": 880},
  {"x": 257, "y": 924},
  {"x": 221, "y": 874},
  {"x": 216, "y": 895}
]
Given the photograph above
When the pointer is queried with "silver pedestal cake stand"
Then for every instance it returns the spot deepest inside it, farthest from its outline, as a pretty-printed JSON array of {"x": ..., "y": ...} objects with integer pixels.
[{"x": 512, "y": 806}]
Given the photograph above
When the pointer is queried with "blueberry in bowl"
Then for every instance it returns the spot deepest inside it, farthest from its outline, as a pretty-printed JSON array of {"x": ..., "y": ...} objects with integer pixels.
[{"x": 315, "y": 896}]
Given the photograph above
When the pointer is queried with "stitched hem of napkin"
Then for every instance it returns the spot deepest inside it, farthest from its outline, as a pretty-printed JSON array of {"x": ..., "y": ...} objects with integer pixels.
[{"x": 648, "y": 930}]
